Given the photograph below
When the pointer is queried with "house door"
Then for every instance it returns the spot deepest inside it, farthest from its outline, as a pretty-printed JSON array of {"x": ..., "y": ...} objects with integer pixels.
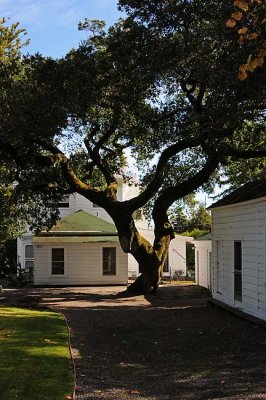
[
  {"x": 198, "y": 269},
  {"x": 238, "y": 270},
  {"x": 218, "y": 266},
  {"x": 209, "y": 269}
]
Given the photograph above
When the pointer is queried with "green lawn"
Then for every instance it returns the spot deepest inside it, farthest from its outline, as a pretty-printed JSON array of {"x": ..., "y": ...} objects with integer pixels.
[{"x": 35, "y": 361}]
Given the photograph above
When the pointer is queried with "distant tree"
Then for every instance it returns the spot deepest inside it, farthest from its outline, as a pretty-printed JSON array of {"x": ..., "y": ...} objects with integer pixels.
[
  {"x": 249, "y": 18},
  {"x": 201, "y": 218},
  {"x": 160, "y": 83},
  {"x": 190, "y": 215}
]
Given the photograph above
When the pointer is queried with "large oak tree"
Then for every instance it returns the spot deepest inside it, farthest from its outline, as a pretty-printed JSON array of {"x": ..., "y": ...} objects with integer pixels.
[{"x": 162, "y": 83}]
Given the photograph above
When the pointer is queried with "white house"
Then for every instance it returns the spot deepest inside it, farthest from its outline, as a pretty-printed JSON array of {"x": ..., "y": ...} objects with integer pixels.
[
  {"x": 239, "y": 249},
  {"x": 83, "y": 248},
  {"x": 203, "y": 261}
]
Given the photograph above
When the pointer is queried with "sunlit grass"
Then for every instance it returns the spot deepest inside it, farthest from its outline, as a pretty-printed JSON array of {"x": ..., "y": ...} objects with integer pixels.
[{"x": 35, "y": 361}]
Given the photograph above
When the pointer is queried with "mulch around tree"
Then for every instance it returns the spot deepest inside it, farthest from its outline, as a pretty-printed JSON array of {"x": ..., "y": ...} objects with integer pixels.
[{"x": 169, "y": 346}]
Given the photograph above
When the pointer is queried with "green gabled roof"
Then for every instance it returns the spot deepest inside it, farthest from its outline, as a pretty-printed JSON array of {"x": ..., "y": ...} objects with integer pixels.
[
  {"x": 208, "y": 236},
  {"x": 80, "y": 221},
  {"x": 52, "y": 239}
]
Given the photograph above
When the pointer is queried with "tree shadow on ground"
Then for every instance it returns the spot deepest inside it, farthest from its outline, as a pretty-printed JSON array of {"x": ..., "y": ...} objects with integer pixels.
[
  {"x": 167, "y": 296},
  {"x": 168, "y": 346},
  {"x": 155, "y": 353}
]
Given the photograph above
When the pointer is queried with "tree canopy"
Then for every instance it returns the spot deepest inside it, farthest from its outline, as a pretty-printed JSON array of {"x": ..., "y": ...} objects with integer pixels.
[
  {"x": 249, "y": 17},
  {"x": 160, "y": 83}
]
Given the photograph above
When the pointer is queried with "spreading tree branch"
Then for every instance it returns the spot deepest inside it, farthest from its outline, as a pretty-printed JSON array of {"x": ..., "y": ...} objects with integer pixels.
[
  {"x": 230, "y": 151},
  {"x": 157, "y": 180},
  {"x": 94, "y": 154},
  {"x": 173, "y": 193}
]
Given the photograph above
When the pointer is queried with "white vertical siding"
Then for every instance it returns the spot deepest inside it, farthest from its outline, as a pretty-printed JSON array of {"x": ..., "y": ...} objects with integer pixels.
[
  {"x": 177, "y": 254},
  {"x": 245, "y": 222},
  {"x": 203, "y": 249}
]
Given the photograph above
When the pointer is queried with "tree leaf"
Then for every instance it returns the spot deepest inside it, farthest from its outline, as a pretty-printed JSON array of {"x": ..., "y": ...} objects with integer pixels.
[
  {"x": 252, "y": 36},
  {"x": 259, "y": 61},
  {"x": 242, "y": 31},
  {"x": 243, "y": 5},
  {"x": 242, "y": 74},
  {"x": 237, "y": 15},
  {"x": 230, "y": 23}
]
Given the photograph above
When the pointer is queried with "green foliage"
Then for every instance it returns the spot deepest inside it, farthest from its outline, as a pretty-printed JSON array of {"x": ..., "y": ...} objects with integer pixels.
[
  {"x": 196, "y": 233},
  {"x": 160, "y": 83},
  {"x": 8, "y": 258},
  {"x": 190, "y": 215},
  {"x": 11, "y": 42}
]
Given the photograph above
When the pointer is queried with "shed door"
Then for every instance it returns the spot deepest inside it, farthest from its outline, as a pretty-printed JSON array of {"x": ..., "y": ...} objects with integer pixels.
[
  {"x": 209, "y": 269},
  {"x": 197, "y": 268},
  {"x": 218, "y": 266},
  {"x": 238, "y": 270}
]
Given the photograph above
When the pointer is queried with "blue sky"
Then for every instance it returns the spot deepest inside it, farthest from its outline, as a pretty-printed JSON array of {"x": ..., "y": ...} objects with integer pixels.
[{"x": 52, "y": 24}]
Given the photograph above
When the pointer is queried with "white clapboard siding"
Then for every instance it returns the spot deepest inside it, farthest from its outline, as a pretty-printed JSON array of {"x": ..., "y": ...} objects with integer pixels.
[
  {"x": 246, "y": 222},
  {"x": 83, "y": 265},
  {"x": 203, "y": 250}
]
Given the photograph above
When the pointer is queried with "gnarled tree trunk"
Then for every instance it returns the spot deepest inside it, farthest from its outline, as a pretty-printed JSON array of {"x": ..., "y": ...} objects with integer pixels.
[{"x": 150, "y": 258}]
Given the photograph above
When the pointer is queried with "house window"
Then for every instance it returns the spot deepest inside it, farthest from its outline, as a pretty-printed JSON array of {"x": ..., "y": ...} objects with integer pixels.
[
  {"x": 29, "y": 261},
  {"x": 109, "y": 261},
  {"x": 29, "y": 264},
  {"x": 238, "y": 270},
  {"x": 64, "y": 202},
  {"x": 29, "y": 251},
  {"x": 58, "y": 261}
]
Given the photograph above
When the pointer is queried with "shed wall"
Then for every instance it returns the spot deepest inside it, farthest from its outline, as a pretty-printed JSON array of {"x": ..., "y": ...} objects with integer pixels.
[
  {"x": 247, "y": 223},
  {"x": 203, "y": 253}
]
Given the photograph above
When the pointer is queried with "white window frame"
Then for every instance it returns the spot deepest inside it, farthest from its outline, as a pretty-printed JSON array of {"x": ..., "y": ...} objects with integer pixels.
[
  {"x": 31, "y": 259},
  {"x": 65, "y": 262}
]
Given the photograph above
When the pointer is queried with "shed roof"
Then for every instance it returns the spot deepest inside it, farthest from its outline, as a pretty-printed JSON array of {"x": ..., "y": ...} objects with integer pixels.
[
  {"x": 208, "y": 236},
  {"x": 250, "y": 191},
  {"x": 80, "y": 221},
  {"x": 74, "y": 239}
]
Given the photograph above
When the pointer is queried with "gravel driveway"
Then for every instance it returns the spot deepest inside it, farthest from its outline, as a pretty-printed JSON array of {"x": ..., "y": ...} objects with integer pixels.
[{"x": 164, "y": 347}]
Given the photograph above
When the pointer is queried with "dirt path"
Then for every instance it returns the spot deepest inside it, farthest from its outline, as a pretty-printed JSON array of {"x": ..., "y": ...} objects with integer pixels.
[{"x": 170, "y": 346}]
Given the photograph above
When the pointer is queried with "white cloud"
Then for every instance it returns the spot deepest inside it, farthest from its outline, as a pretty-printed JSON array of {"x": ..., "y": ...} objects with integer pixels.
[
  {"x": 25, "y": 11},
  {"x": 68, "y": 18},
  {"x": 34, "y": 12}
]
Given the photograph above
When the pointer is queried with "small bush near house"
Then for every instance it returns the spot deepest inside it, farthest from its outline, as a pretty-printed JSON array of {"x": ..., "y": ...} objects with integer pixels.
[{"x": 35, "y": 361}]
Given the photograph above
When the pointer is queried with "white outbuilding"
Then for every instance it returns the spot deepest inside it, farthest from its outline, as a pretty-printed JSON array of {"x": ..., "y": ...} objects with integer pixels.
[
  {"x": 203, "y": 261},
  {"x": 239, "y": 249}
]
